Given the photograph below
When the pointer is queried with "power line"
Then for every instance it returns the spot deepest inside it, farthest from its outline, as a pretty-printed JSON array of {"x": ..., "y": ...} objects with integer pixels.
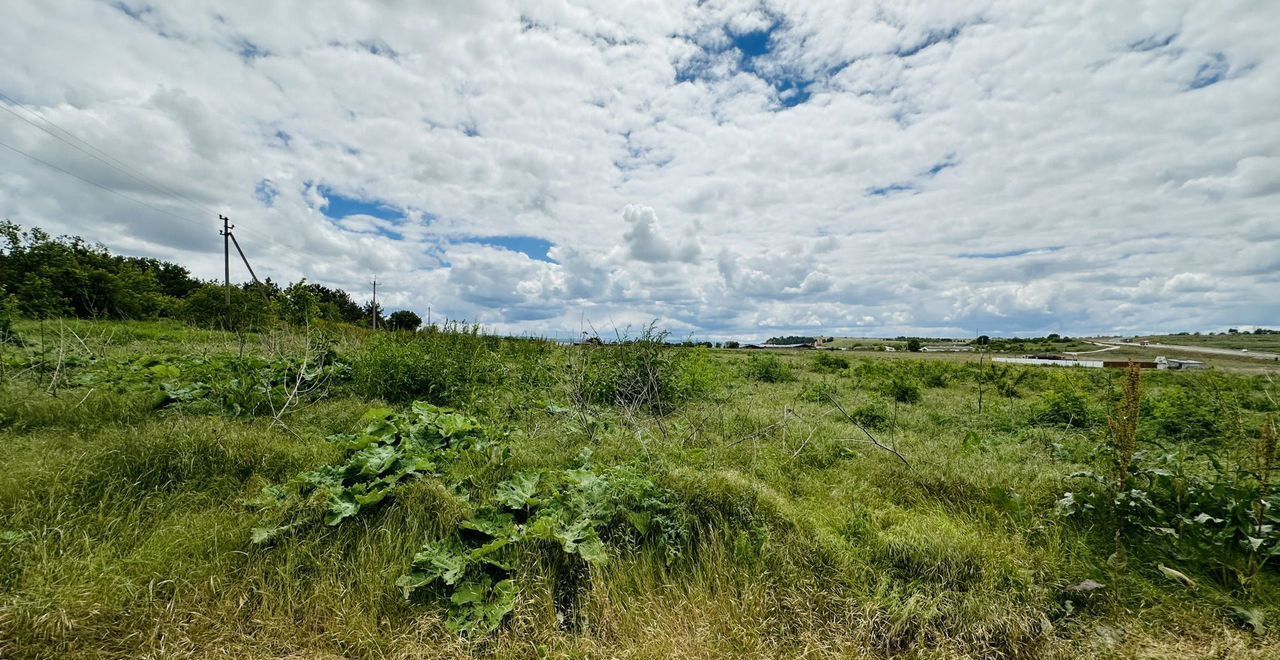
[
  {"x": 100, "y": 155},
  {"x": 94, "y": 183}
]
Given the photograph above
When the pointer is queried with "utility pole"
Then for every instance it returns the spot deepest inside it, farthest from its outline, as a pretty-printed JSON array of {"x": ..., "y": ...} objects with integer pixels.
[
  {"x": 374, "y": 306},
  {"x": 226, "y": 256}
]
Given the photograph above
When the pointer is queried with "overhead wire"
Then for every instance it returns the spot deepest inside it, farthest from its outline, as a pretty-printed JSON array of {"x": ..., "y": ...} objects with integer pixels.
[
  {"x": 97, "y": 153},
  {"x": 95, "y": 184},
  {"x": 102, "y": 156}
]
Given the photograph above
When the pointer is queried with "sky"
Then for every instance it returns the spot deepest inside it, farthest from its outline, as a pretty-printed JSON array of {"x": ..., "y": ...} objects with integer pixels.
[{"x": 729, "y": 169}]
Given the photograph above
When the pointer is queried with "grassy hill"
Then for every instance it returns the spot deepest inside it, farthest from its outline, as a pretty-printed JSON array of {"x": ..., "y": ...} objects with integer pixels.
[{"x": 173, "y": 492}]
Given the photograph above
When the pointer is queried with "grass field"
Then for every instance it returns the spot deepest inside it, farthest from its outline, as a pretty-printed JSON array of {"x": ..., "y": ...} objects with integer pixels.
[
  {"x": 1269, "y": 342},
  {"x": 170, "y": 492}
]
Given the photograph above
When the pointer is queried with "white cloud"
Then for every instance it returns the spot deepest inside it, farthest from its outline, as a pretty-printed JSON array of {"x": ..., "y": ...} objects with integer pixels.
[
  {"x": 645, "y": 240},
  {"x": 952, "y": 167}
]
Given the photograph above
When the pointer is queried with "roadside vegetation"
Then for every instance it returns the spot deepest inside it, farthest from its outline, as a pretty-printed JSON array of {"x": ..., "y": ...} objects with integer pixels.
[{"x": 324, "y": 490}]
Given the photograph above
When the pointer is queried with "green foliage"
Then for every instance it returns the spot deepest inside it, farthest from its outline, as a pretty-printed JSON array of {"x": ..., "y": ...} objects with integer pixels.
[
  {"x": 237, "y": 386},
  {"x": 445, "y": 367},
  {"x": 388, "y": 453},
  {"x": 791, "y": 339},
  {"x": 8, "y": 313},
  {"x": 404, "y": 320},
  {"x": 207, "y": 307},
  {"x": 1181, "y": 415},
  {"x": 914, "y": 345},
  {"x": 902, "y": 391},
  {"x": 871, "y": 416},
  {"x": 767, "y": 369},
  {"x": 829, "y": 363},
  {"x": 819, "y": 391},
  {"x": 65, "y": 276},
  {"x": 1065, "y": 408},
  {"x": 299, "y": 304},
  {"x": 644, "y": 373},
  {"x": 571, "y": 512},
  {"x": 1190, "y": 508}
]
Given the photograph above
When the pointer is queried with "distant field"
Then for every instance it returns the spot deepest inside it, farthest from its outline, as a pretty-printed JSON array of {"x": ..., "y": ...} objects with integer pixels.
[{"x": 1268, "y": 343}]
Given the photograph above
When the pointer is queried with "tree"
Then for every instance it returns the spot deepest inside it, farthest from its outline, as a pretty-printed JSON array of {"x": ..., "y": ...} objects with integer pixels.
[
  {"x": 301, "y": 304},
  {"x": 404, "y": 320},
  {"x": 914, "y": 345},
  {"x": 983, "y": 340},
  {"x": 731, "y": 344}
]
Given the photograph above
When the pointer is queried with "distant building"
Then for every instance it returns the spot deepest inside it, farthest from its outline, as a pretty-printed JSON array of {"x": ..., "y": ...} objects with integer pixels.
[{"x": 947, "y": 348}]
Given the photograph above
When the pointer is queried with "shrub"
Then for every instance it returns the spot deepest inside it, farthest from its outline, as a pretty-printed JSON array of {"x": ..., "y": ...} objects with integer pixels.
[
  {"x": 871, "y": 416},
  {"x": 1064, "y": 408},
  {"x": 819, "y": 391},
  {"x": 935, "y": 378},
  {"x": 1194, "y": 509},
  {"x": 644, "y": 372},
  {"x": 1180, "y": 416},
  {"x": 768, "y": 369},
  {"x": 445, "y": 367},
  {"x": 903, "y": 391},
  {"x": 829, "y": 363}
]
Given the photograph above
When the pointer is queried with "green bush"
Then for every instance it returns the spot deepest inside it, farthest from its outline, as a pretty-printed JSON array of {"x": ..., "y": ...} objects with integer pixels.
[
  {"x": 1065, "y": 408},
  {"x": 935, "y": 378},
  {"x": 445, "y": 367},
  {"x": 1178, "y": 415},
  {"x": 644, "y": 372},
  {"x": 871, "y": 417},
  {"x": 819, "y": 391},
  {"x": 768, "y": 369},
  {"x": 903, "y": 391},
  {"x": 829, "y": 363}
]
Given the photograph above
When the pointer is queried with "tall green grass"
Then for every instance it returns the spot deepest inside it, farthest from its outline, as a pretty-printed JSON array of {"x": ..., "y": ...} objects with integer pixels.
[{"x": 123, "y": 531}]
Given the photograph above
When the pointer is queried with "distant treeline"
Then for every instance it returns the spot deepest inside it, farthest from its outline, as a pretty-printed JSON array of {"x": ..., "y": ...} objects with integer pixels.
[
  {"x": 42, "y": 276},
  {"x": 794, "y": 339}
]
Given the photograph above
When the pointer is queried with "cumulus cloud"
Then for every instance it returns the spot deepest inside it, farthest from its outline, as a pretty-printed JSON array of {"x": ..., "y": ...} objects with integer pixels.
[
  {"x": 932, "y": 168},
  {"x": 646, "y": 241}
]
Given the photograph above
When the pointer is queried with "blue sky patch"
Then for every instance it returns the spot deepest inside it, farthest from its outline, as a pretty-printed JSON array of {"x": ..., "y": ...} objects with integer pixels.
[
  {"x": 250, "y": 51},
  {"x": 134, "y": 13},
  {"x": 266, "y": 192},
  {"x": 932, "y": 38},
  {"x": 753, "y": 44},
  {"x": 944, "y": 164},
  {"x": 1154, "y": 42},
  {"x": 753, "y": 51},
  {"x": 534, "y": 248},
  {"x": 1009, "y": 253},
  {"x": 341, "y": 206},
  {"x": 1211, "y": 72},
  {"x": 891, "y": 189}
]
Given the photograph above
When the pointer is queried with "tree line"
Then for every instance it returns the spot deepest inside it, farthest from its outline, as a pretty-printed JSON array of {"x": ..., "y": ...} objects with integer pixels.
[{"x": 43, "y": 276}]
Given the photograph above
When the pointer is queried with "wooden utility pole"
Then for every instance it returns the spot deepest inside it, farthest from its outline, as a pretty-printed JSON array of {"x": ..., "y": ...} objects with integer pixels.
[
  {"x": 374, "y": 307},
  {"x": 226, "y": 256}
]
